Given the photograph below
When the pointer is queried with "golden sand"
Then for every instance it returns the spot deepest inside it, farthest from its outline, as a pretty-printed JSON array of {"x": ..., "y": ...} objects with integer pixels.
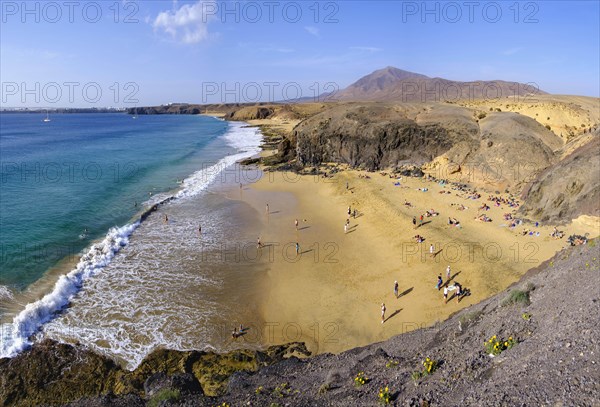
[{"x": 330, "y": 294}]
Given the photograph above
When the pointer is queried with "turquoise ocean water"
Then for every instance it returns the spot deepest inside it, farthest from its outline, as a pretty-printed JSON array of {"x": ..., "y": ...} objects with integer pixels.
[{"x": 85, "y": 178}]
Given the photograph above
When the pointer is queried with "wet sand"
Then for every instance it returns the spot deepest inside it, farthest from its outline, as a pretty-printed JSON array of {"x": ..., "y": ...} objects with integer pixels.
[{"x": 173, "y": 287}]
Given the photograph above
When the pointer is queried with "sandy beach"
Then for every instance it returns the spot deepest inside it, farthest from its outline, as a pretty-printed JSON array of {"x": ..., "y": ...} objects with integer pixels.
[{"x": 330, "y": 293}]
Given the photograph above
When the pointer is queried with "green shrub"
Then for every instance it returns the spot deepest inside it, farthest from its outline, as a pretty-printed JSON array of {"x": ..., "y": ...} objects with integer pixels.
[
  {"x": 517, "y": 297},
  {"x": 164, "y": 395}
]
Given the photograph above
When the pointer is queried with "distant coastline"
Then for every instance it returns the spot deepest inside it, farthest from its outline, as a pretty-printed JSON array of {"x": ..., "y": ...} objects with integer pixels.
[{"x": 64, "y": 110}]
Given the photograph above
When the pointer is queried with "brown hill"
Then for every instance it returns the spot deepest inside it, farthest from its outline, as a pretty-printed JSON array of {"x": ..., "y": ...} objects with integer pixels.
[
  {"x": 568, "y": 188},
  {"x": 498, "y": 150},
  {"x": 393, "y": 84}
]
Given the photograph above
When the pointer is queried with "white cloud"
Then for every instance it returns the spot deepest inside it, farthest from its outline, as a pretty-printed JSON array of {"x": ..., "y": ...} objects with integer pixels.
[
  {"x": 188, "y": 23},
  {"x": 312, "y": 30}
]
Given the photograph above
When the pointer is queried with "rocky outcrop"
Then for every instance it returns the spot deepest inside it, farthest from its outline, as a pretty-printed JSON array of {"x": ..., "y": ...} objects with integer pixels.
[
  {"x": 496, "y": 150},
  {"x": 54, "y": 373},
  {"x": 569, "y": 188},
  {"x": 250, "y": 113},
  {"x": 370, "y": 137}
]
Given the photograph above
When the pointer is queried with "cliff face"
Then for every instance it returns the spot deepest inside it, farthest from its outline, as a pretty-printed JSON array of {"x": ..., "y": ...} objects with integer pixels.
[
  {"x": 553, "y": 360},
  {"x": 497, "y": 150},
  {"x": 370, "y": 137},
  {"x": 569, "y": 188}
]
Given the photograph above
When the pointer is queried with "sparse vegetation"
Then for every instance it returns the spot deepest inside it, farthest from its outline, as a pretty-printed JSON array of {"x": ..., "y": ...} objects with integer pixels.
[
  {"x": 481, "y": 115},
  {"x": 429, "y": 366},
  {"x": 391, "y": 363},
  {"x": 495, "y": 346},
  {"x": 360, "y": 379},
  {"x": 470, "y": 317},
  {"x": 282, "y": 390},
  {"x": 548, "y": 127},
  {"x": 517, "y": 297},
  {"x": 164, "y": 395},
  {"x": 384, "y": 397},
  {"x": 324, "y": 388}
]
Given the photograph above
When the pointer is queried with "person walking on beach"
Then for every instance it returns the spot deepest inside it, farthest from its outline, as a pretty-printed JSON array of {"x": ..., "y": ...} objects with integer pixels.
[
  {"x": 166, "y": 219},
  {"x": 421, "y": 218},
  {"x": 346, "y": 227},
  {"x": 445, "y": 295},
  {"x": 258, "y": 243},
  {"x": 346, "y": 185},
  {"x": 439, "y": 282},
  {"x": 354, "y": 213},
  {"x": 382, "y": 312},
  {"x": 297, "y": 248},
  {"x": 431, "y": 250},
  {"x": 448, "y": 272},
  {"x": 200, "y": 229},
  {"x": 267, "y": 209},
  {"x": 396, "y": 289},
  {"x": 349, "y": 212},
  {"x": 414, "y": 222},
  {"x": 296, "y": 223}
]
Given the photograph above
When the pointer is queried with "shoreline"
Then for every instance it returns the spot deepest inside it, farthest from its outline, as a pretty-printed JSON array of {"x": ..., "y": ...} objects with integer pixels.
[
  {"x": 45, "y": 300},
  {"x": 330, "y": 297}
]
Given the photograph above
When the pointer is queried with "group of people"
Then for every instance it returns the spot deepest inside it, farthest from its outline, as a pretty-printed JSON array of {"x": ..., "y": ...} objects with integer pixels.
[
  {"x": 557, "y": 234},
  {"x": 431, "y": 212},
  {"x": 483, "y": 218},
  {"x": 499, "y": 200}
]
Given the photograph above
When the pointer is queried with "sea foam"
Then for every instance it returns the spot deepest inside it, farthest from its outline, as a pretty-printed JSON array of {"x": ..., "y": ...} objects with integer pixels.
[{"x": 16, "y": 337}]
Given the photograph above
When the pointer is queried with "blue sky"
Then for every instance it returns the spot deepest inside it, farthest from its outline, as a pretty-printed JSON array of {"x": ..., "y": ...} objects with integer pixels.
[{"x": 135, "y": 53}]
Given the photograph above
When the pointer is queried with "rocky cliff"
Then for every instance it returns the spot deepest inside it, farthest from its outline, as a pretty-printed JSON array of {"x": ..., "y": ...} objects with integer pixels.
[
  {"x": 498, "y": 150},
  {"x": 567, "y": 189}
]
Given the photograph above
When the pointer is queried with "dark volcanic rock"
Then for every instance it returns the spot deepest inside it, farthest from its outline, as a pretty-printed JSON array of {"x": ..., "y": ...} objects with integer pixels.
[
  {"x": 371, "y": 137},
  {"x": 186, "y": 383},
  {"x": 57, "y": 374}
]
